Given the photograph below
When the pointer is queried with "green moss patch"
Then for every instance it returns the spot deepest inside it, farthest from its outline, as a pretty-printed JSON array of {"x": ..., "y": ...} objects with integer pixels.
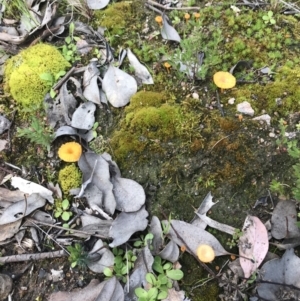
[{"x": 22, "y": 73}]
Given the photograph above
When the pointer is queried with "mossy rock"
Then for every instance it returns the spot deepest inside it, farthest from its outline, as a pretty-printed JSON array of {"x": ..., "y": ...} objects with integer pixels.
[
  {"x": 151, "y": 122},
  {"x": 115, "y": 17},
  {"x": 22, "y": 73}
]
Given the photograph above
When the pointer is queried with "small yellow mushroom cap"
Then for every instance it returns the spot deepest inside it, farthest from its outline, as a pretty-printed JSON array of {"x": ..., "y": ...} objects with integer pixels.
[
  {"x": 224, "y": 80},
  {"x": 196, "y": 15},
  {"x": 159, "y": 20},
  {"x": 167, "y": 65},
  {"x": 205, "y": 253},
  {"x": 187, "y": 16},
  {"x": 70, "y": 152}
]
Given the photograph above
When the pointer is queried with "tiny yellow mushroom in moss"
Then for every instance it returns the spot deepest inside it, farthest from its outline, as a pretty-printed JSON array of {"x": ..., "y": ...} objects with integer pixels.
[
  {"x": 159, "y": 20},
  {"x": 167, "y": 66},
  {"x": 187, "y": 16},
  {"x": 224, "y": 80},
  {"x": 196, "y": 16},
  {"x": 70, "y": 152},
  {"x": 205, "y": 253}
]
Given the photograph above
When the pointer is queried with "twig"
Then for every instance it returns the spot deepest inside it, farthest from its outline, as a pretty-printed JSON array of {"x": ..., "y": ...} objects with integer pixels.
[
  {"x": 150, "y": 2},
  {"x": 62, "y": 228},
  {"x": 37, "y": 256}
]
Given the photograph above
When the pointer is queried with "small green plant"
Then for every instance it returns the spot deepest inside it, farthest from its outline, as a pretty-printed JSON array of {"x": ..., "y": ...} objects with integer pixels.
[
  {"x": 157, "y": 288},
  {"x": 69, "y": 50},
  {"x": 235, "y": 238},
  {"x": 269, "y": 18},
  {"x": 144, "y": 241},
  {"x": 51, "y": 80},
  {"x": 78, "y": 256},
  {"x": 123, "y": 264},
  {"x": 277, "y": 187},
  {"x": 37, "y": 133},
  {"x": 208, "y": 183},
  {"x": 61, "y": 210}
]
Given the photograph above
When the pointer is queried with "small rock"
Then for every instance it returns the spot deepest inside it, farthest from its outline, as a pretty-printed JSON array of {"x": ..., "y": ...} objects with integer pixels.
[
  {"x": 245, "y": 108},
  {"x": 231, "y": 101},
  {"x": 195, "y": 95},
  {"x": 272, "y": 135},
  {"x": 264, "y": 117}
]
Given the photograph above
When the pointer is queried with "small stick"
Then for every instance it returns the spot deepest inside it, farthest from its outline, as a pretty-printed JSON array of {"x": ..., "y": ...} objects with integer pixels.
[
  {"x": 62, "y": 228},
  {"x": 172, "y": 8},
  {"x": 37, "y": 256}
]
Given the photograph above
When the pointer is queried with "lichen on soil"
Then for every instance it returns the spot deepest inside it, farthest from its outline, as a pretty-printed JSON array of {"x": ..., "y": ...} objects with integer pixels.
[{"x": 180, "y": 147}]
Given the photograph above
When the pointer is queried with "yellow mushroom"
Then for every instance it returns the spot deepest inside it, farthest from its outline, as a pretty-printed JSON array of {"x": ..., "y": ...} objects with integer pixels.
[
  {"x": 187, "y": 17},
  {"x": 167, "y": 66},
  {"x": 205, "y": 253},
  {"x": 224, "y": 80},
  {"x": 196, "y": 16},
  {"x": 159, "y": 20},
  {"x": 70, "y": 152}
]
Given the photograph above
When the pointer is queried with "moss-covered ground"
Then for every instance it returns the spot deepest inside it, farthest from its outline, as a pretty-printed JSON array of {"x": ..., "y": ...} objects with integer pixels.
[{"x": 180, "y": 138}]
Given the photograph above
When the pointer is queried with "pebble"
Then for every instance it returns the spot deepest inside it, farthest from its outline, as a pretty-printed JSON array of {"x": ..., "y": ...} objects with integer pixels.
[
  {"x": 272, "y": 135},
  {"x": 245, "y": 108},
  {"x": 231, "y": 101},
  {"x": 264, "y": 117},
  {"x": 195, "y": 95}
]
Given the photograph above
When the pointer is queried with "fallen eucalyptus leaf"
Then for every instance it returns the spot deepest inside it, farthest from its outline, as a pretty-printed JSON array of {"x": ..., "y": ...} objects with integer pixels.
[
  {"x": 156, "y": 230},
  {"x": 94, "y": 167},
  {"x": 188, "y": 235},
  {"x": 4, "y": 124},
  {"x": 112, "y": 291},
  {"x": 62, "y": 108},
  {"x": 31, "y": 187},
  {"x": 141, "y": 72},
  {"x": 2, "y": 144},
  {"x": 69, "y": 131},
  {"x": 170, "y": 252},
  {"x": 91, "y": 90},
  {"x": 130, "y": 195},
  {"x": 203, "y": 209},
  {"x": 89, "y": 293},
  {"x": 286, "y": 271},
  {"x": 168, "y": 32},
  {"x": 16, "y": 211},
  {"x": 118, "y": 86},
  {"x": 84, "y": 116},
  {"x": 253, "y": 244},
  {"x": 126, "y": 224},
  {"x": 106, "y": 258},
  {"x": 6, "y": 285},
  {"x": 284, "y": 220},
  {"x": 97, "y": 4},
  {"x": 9, "y": 230}
]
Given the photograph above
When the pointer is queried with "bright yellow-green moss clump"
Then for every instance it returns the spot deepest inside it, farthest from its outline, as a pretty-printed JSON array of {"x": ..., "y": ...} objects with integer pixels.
[
  {"x": 22, "y": 73},
  {"x": 114, "y": 17},
  {"x": 69, "y": 177}
]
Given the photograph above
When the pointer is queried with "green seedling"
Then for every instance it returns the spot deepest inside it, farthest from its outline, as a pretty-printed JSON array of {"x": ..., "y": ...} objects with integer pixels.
[
  {"x": 51, "y": 80},
  {"x": 144, "y": 241},
  {"x": 268, "y": 18},
  {"x": 61, "y": 210},
  {"x": 123, "y": 264},
  {"x": 235, "y": 238},
  {"x": 78, "y": 256},
  {"x": 158, "y": 286},
  {"x": 37, "y": 133},
  {"x": 69, "y": 49}
]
